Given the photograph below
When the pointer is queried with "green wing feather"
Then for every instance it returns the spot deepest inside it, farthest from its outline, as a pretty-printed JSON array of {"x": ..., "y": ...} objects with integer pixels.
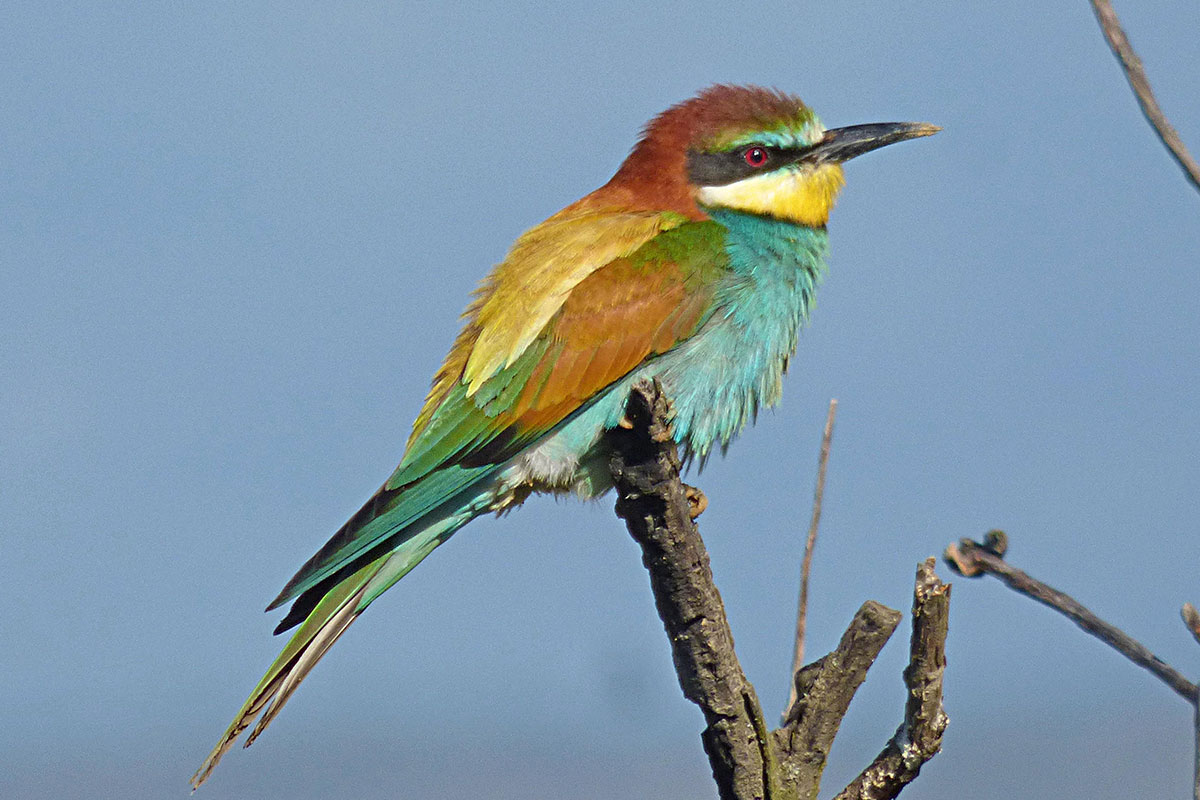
[{"x": 629, "y": 309}]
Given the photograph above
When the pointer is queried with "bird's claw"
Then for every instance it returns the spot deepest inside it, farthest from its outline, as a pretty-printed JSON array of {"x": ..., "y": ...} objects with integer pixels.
[{"x": 697, "y": 501}]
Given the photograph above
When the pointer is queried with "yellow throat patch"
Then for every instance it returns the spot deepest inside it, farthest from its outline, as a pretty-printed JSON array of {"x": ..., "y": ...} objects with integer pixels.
[{"x": 803, "y": 196}]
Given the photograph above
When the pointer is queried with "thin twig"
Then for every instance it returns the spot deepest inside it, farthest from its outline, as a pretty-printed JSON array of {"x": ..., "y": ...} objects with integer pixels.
[
  {"x": 971, "y": 559},
  {"x": 1136, "y": 75},
  {"x": 919, "y": 737},
  {"x": 809, "y": 543}
]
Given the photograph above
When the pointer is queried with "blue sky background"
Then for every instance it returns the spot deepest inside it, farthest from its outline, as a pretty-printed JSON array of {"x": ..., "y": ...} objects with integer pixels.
[{"x": 234, "y": 242}]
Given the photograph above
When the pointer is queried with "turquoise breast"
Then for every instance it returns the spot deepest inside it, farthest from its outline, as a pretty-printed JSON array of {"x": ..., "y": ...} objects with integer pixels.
[{"x": 719, "y": 378}]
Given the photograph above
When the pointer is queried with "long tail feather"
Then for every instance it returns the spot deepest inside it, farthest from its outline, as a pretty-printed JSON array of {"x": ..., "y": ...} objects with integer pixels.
[
  {"x": 327, "y": 621},
  {"x": 318, "y": 647}
]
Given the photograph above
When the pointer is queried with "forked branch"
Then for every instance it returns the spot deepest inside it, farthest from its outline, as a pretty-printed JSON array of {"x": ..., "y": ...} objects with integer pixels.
[{"x": 748, "y": 761}]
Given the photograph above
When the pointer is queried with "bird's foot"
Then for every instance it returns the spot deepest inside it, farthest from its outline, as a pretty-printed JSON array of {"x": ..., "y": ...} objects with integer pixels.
[{"x": 696, "y": 500}]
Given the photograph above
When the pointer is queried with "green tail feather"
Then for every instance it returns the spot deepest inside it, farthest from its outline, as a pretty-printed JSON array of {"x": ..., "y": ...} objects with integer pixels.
[
  {"x": 390, "y": 515},
  {"x": 327, "y": 621}
]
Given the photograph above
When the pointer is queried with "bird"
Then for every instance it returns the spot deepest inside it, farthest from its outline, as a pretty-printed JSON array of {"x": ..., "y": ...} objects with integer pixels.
[{"x": 695, "y": 265}]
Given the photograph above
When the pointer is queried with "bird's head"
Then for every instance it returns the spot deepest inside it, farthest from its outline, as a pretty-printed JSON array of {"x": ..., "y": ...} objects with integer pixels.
[{"x": 749, "y": 149}]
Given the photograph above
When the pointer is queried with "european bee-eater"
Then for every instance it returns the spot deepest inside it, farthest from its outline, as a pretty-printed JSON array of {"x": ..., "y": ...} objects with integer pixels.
[{"x": 696, "y": 265}]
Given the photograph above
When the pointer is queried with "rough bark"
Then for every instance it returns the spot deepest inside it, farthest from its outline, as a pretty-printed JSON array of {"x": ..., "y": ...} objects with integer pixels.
[{"x": 750, "y": 762}]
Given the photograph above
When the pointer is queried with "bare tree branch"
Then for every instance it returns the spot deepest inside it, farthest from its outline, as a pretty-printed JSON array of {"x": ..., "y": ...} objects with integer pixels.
[
  {"x": 919, "y": 737},
  {"x": 654, "y": 504},
  {"x": 748, "y": 761},
  {"x": 809, "y": 544},
  {"x": 970, "y": 559},
  {"x": 1136, "y": 75},
  {"x": 824, "y": 690}
]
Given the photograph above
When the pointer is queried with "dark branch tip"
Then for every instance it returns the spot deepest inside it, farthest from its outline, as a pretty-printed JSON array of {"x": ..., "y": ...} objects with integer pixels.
[
  {"x": 877, "y": 616},
  {"x": 960, "y": 557},
  {"x": 995, "y": 542},
  {"x": 967, "y": 557}
]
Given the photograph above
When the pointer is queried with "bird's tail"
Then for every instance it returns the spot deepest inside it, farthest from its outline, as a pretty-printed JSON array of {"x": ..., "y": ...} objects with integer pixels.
[{"x": 324, "y": 624}]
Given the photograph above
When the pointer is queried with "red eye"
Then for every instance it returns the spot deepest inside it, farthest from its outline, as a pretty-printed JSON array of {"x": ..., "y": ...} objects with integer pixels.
[{"x": 755, "y": 156}]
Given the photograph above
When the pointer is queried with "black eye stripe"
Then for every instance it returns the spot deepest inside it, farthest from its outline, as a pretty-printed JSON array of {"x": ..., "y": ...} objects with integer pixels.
[{"x": 718, "y": 169}]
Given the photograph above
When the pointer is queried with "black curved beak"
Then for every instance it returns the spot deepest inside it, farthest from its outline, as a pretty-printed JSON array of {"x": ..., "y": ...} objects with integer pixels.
[{"x": 843, "y": 144}]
